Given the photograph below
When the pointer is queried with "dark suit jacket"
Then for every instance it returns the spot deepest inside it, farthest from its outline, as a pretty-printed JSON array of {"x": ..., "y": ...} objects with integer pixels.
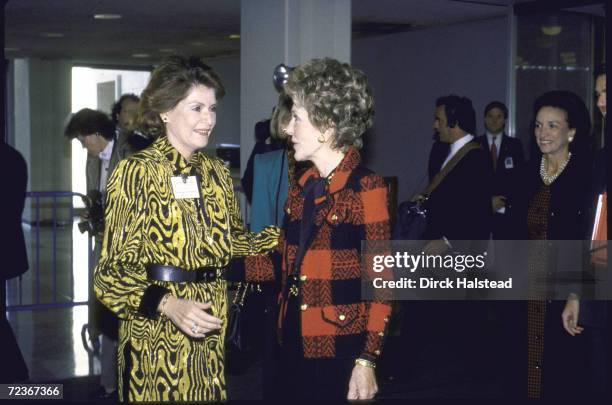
[
  {"x": 460, "y": 207},
  {"x": 507, "y": 182},
  {"x": 564, "y": 222},
  {"x": 14, "y": 256},
  {"x": 121, "y": 150},
  {"x": 594, "y": 313},
  {"x": 15, "y": 173},
  {"x": 567, "y": 193},
  {"x": 597, "y": 186},
  {"x": 437, "y": 155}
]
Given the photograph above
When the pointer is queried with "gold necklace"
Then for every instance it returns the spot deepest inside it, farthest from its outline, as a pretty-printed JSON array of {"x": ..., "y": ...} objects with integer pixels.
[{"x": 549, "y": 178}]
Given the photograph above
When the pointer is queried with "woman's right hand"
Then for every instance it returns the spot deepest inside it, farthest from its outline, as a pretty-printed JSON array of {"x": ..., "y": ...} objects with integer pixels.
[{"x": 191, "y": 316}]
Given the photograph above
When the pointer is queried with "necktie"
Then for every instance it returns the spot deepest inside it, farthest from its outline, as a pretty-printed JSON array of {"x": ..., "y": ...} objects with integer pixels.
[
  {"x": 494, "y": 156},
  {"x": 313, "y": 190}
]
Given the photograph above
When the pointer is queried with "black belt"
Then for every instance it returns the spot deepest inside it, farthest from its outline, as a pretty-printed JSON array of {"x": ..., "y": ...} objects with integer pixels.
[{"x": 163, "y": 272}]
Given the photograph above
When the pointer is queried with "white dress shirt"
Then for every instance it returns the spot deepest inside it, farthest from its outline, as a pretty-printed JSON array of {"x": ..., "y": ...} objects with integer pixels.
[
  {"x": 497, "y": 139},
  {"x": 105, "y": 157},
  {"x": 455, "y": 146}
]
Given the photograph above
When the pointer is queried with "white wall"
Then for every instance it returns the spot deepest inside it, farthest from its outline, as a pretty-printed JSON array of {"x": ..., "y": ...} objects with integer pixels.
[
  {"x": 408, "y": 71},
  {"x": 42, "y": 102},
  {"x": 21, "y": 109},
  {"x": 227, "y": 129},
  {"x": 262, "y": 47},
  {"x": 284, "y": 31}
]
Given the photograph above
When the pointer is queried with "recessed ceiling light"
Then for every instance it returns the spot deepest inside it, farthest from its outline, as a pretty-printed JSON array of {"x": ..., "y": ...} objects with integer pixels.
[
  {"x": 552, "y": 30},
  {"x": 198, "y": 43},
  {"x": 141, "y": 55},
  {"x": 234, "y": 36},
  {"x": 52, "y": 34},
  {"x": 167, "y": 50},
  {"x": 108, "y": 16}
]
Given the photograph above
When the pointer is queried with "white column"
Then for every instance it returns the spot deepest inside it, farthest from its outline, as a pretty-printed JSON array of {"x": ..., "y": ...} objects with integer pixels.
[
  {"x": 284, "y": 31},
  {"x": 42, "y": 99}
]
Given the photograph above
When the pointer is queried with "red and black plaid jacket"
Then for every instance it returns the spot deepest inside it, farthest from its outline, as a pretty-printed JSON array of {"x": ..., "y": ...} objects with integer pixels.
[{"x": 335, "y": 322}]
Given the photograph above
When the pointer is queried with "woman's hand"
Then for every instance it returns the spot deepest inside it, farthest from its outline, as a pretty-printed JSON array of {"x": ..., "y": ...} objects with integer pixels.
[
  {"x": 191, "y": 316},
  {"x": 498, "y": 201},
  {"x": 435, "y": 247},
  {"x": 418, "y": 198},
  {"x": 362, "y": 384},
  {"x": 570, "y": 316}
]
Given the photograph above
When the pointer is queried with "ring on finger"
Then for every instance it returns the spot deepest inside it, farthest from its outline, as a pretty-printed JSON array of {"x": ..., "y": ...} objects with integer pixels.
[{"x": 194, "y": 329}]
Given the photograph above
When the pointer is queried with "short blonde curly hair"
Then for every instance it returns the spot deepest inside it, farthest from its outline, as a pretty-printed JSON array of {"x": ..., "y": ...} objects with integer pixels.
[{"x": 335, "y": 95}]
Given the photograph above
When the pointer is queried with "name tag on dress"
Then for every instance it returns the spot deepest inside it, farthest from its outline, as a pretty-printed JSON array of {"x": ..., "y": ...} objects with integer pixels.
[
  {"x": 509, "y": 163},
  {"x": 185, "y": 187}
]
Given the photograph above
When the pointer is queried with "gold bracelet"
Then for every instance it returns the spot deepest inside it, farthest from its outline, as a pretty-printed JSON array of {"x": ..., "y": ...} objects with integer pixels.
[
  {"x": 163, "y": 305},
  {"x": 365, "y": 363}
]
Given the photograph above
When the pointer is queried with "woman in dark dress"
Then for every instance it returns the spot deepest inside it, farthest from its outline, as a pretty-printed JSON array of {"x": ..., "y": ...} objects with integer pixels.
[{"x": 556, "y": 188}]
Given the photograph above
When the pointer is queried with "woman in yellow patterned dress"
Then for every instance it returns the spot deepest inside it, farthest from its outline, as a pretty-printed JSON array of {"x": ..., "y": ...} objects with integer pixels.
[{"x": 172, "y": 224}]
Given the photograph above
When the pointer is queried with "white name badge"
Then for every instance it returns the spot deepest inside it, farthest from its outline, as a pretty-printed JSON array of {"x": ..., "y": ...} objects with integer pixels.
[
  {"x": 509, "y": 163},
  {"x": 185, "y": 187}
]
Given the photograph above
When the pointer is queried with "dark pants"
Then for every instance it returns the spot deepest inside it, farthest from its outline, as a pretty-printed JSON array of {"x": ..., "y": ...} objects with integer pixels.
[
  {"x": 270, "y": 346},
  {"x": 14, "y": 367}
]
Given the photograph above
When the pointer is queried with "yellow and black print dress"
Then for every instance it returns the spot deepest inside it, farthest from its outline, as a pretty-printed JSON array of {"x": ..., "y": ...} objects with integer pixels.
[{"x": 145, "y": 224}]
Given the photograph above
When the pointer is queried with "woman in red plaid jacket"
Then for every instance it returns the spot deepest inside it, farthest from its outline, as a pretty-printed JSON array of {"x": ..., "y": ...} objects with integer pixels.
[{"x": 329, "y": 338}]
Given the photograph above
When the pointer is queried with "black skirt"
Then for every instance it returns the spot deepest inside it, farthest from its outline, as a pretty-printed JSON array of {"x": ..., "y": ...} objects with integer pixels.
[{"x": 308, "y": 379}]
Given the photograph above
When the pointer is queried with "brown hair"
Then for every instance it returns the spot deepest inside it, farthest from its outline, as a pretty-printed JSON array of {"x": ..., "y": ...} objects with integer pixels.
[
  {"x": 89, "y": 122},
  {"x": 169, "y": 84}
]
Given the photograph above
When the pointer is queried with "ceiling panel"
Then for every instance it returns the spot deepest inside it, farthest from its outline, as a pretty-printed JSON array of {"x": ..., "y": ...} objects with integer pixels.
[{"x": 199, "y": 27}]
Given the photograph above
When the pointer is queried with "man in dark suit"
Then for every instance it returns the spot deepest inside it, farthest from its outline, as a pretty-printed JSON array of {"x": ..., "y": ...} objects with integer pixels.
[
  {"x": 14, "y": 257},
  {"x": 506, "y": 159},
  {"x": 582, "y": 316},
  {"x": 437, "y": 155},
  {"x": 459, "y": 209},
  {"x": 458, "y": 216}
]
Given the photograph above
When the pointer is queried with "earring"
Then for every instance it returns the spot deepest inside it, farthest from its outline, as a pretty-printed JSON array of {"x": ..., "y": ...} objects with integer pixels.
[
  {"x": 570, "y": 139},
  {"x": 164, "y": 119},
  {"x": 321, "y": 139}
]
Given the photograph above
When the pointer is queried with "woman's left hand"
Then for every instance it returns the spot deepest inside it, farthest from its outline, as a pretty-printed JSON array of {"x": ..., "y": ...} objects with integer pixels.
[
  {"x": 362, "y": 384},
  {"x": 569, "y": 316}
]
